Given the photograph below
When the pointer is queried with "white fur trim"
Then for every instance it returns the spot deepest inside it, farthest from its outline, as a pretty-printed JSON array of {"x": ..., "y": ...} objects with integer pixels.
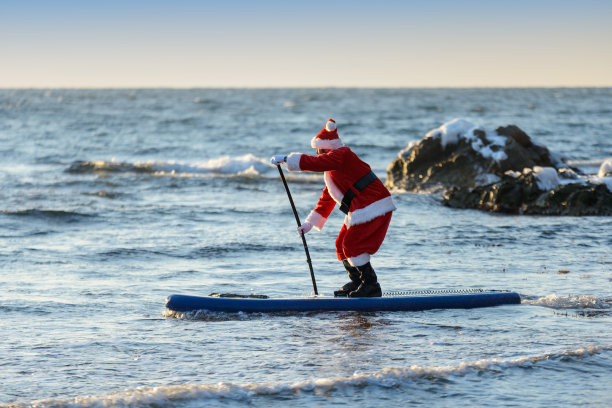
[
  {"x": 316, "y": 219},
  {"x": 330, "y": 126},
  {"x": 331, "y": 144},
  {"x": 376, "y": 209},
  {"x": 293, "y": 161},
  {"x": 332, "y": 189},
  {"x": 359, "y": 260}
]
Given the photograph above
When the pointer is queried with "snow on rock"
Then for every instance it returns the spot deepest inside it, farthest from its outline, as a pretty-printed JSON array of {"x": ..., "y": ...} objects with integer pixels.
[
  {"x": 450, "y": 132},
  {"x": 606, "y": 168},
  {"x": 485, "y": 142},
  {"x": 604, "y": 176},
  {"x": 546, "y": 177},
  {"x": 406, "y": 152},
  {"x": 603, "y": 180}
]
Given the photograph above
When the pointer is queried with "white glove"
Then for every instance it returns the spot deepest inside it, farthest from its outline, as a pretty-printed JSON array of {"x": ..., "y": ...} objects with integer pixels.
[
  {"x": 304, "y": 228},
  {"x": 277, "y": 159}
]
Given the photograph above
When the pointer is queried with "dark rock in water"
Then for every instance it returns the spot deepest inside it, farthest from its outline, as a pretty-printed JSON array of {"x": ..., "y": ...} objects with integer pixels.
[
  {"x": 500, "y": 171},
  {"x": 460, "y": 154},
  {"x": 523, "y": 153},
  {"x": 521, "y": 195}
]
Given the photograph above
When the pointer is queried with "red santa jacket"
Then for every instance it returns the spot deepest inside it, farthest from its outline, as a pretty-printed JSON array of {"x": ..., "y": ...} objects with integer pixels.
[{"x": 342, "y": 168}]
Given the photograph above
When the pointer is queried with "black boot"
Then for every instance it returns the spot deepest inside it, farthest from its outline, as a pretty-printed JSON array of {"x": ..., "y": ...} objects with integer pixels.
[
  {"x": 354, "y": 276},
  {"x": 369, "y": 283}
]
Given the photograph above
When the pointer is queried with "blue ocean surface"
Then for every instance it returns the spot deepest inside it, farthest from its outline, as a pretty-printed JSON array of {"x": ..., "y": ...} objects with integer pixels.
[{"x": 111, "y": 200}]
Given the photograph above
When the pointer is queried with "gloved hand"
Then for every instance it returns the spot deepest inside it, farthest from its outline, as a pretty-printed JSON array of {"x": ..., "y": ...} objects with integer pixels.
[
  {"x": 304, "y": 228},
  {"x": 278, "y": 159}
]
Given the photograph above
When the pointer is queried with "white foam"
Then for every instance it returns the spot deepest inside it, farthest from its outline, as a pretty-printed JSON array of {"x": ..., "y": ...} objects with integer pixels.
[
  {"x": 587, "y": 163},
  {"x": 386, "y": 378},
  {"x": 570, "y": 302},
  {"x": 247, "y": 164}
]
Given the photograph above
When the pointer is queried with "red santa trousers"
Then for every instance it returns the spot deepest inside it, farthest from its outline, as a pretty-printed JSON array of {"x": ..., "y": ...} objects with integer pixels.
[{"x": 363, "y": 238}]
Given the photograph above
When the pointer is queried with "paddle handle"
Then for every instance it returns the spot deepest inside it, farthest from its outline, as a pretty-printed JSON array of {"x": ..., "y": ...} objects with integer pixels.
[{"x": 297, "y": 219}]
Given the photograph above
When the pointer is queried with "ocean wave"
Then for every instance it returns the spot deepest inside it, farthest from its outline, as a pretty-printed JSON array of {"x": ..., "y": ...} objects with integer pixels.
[
  {"x": 112, "y": 166},
  {"x": 571, "y": 302},
  {"x": 386, "y": 378},
  {"x": 119, "y": 253},
  {"x": 589, "y": 163},
  {"x": 104, "y": 194},
  {"x": 233, "y": 248},
  {"x": 209, "y": 316},
  {"x": 247, "y": 165},
  {"x": 216, "y": 316},
  {"x": 216, "y": 251},
  {"x": 58, "y": 215}
]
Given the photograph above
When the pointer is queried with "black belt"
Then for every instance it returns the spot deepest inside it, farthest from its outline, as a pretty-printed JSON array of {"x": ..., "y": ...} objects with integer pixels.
[{"x": 359, "y": 185}]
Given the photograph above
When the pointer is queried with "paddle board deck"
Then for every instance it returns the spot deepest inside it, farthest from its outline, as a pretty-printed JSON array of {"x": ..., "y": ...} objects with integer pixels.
[{"x": 184, "y": 303}]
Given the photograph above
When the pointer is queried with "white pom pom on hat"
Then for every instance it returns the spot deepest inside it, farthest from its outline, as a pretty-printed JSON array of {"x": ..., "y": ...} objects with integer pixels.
[
  {"x": 330, "y": 126},
  {"x": 328, "y": 137}
]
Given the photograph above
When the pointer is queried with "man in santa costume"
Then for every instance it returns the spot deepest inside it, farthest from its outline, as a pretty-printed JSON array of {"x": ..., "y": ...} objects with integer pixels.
[{"x": 350, "y": 183}]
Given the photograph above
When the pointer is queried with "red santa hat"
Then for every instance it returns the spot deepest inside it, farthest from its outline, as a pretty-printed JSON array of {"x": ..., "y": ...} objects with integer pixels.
[{"x": 328, "y": 137}]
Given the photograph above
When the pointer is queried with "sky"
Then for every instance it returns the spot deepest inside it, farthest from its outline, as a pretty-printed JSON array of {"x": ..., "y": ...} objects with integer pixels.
[{"x": 332, "y": 43}]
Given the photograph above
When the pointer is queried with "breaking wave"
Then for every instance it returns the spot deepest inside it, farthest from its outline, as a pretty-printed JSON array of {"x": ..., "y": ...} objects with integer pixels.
[
  {"x": 587, "y": 163},
  {"x": 571, "y": 302},
  {"x": 386, "y": 378},
  {"x": 246, "y": 165}
]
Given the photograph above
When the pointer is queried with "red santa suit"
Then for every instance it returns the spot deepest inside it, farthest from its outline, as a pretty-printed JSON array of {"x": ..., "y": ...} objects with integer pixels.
[{"x": 369, "y": 214}]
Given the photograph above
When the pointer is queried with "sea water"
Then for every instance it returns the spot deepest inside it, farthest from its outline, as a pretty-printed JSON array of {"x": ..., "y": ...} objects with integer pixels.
[{"x": 111, "y": 200}]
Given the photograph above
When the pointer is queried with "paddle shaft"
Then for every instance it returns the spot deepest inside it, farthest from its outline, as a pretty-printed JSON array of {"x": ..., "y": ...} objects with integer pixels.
[{"x": 297, "y": 219}]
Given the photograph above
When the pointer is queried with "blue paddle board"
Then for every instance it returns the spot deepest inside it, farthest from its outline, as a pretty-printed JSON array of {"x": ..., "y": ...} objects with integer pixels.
[{"x": 413, "y": 302}]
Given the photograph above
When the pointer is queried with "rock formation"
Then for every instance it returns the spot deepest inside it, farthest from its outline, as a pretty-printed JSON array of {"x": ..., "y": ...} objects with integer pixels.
[
  {"x": 528, "y": 194},
  {"x": 501, "y": 170}
]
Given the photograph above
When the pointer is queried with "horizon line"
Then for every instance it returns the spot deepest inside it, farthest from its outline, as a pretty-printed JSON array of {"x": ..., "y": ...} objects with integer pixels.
[{"x": 307, "y": 87}]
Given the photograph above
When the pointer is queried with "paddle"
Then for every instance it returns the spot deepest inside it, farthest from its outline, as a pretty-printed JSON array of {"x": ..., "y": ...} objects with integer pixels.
[{"x": 297, "y": 219}]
